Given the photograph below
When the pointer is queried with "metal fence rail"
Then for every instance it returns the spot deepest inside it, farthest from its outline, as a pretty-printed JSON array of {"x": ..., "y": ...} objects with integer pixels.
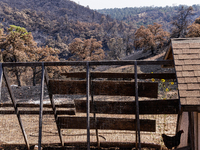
[{"x": 87, "y": 64}]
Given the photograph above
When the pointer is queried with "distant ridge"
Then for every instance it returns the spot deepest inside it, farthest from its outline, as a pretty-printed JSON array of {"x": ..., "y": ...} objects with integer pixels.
[{"x": 147, "y": 15}]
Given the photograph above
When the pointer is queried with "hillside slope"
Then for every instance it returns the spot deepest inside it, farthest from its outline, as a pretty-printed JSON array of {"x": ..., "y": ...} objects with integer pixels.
[
  {"x": 147, "y": 15},
  {"x": 57, "y": 23},
  {"x": 54, "y": 9}
]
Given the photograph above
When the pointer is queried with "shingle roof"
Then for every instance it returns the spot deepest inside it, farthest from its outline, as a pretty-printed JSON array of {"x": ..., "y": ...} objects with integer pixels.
[{"x": 186, "y": 53}]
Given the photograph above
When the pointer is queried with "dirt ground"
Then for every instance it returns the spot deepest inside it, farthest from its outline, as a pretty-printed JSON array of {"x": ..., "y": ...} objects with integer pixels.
[{"x": 10, "y": 132}]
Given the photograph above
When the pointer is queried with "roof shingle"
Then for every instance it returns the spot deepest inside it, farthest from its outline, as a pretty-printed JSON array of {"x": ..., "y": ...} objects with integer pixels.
[{"x": 187, "y": 65}]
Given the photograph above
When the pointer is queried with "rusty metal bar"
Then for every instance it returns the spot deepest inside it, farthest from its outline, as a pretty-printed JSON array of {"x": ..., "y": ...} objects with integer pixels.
[
  {"x": 54, "y": 108},
  {"x": 1, "y": 77},
  {"x": 16, "y": 109},
  {"x": 94, "y": 112},
  {"x": 88, "y": 105},
  {"x": 91, "y": 63},
  {"x": 131, "y": 62},
  {"x": 138, "y": 143},
  {"x": 41, "y": 108}
]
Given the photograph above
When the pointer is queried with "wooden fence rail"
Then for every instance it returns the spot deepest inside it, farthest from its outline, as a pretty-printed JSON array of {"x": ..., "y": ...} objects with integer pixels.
[{"x": 136, "y": 91}]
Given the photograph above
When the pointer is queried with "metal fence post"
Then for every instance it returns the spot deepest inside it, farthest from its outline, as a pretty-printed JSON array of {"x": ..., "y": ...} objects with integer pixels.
[
  {"x": 41, "y": 108},
  {"x": 138, "y": 143},
  {"x": 88, "y": 105},
  {"x": 1, "y": 77}
]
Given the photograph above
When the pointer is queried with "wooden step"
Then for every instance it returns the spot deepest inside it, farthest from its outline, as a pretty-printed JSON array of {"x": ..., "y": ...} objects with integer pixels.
[
  {"x": 106, "y": 123},
  {"x": 128, "y": 107},
  {"x": 112, "y": 88},
  {"x": 111, "y": 75}
]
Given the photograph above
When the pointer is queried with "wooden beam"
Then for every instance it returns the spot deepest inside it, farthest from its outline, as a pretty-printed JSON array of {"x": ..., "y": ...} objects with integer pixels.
[
  {"x": 184, "y": 148},
  {"x": 124, "y": 145},
  {"x": 120, "y": 75},
  {"x": 190, "y": 108},
  {"x": 106, "y": 123},
  {"x": 111, "y": 107},
  {"x": 36, "y": 112},
  {"x": 114, "y": 88},
  {"x": 128, "y": 107},
  {"x": 195, "y": 130},
  {"x": 37, "y": 105},
  {"x": 198, "y": 129},
  {"x": 191, "y": 131},
  {"x": 84, "y": 144}
]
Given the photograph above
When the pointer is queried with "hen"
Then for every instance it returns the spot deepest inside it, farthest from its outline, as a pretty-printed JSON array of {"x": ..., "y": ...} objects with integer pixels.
[{"x": 173, "y": 141}]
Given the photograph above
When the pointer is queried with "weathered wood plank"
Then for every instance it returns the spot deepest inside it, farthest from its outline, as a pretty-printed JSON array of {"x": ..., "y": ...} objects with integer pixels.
[
  {"x": 37, "y": 105},
  {"x": 120, "y": 75},
  {"x": 115, "y": 107},
  {"x": 105, "y": 144},
  {"x": 114, "y": 88},
  {"x": 106, "y": 123},
  {"x": 191, "y": 108},
  {"x": 184, "y": 148},
  {"x": 128, "y": 107},
  {"x": 195, "y": 130},
  {"x": 35, "y": 112},
  {"x": 126, "y": 145},
  {"x": 184, "y": 124},
  {"x": 198, "y": 124}
]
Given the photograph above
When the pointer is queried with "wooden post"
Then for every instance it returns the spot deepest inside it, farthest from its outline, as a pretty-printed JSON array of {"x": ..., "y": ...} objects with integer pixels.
[
  {"x": 88, "y": 105},
  {"x": 16, "y": 109},
  {"x": 195, "y": 114},
  {"x": 54, "y": 108},
  {"x": 138, "y": 144},
  {"x": 183, "y": 125},
  {"x": 41, "y": 108},
  {"x": 191, "y": 130},
  {"x": 198, "y": 131}
]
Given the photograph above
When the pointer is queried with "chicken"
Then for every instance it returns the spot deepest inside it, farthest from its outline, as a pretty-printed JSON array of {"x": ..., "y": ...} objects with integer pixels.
[{"x": 173, "y": 141}]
